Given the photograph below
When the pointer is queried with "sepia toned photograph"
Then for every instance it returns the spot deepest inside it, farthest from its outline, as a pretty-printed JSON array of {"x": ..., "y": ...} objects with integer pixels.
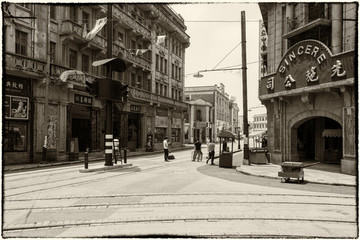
[{"x": 180, "y": 119}]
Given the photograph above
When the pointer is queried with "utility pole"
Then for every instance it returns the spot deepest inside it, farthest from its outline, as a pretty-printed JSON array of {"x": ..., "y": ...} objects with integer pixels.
[
  {"x": 47, "y": 80},
  {"x": 244, "y": 83},
  {"x": 109, "y": 102}
]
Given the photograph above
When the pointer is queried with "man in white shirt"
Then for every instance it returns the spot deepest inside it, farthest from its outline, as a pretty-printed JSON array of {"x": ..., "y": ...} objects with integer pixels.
[
  {"x": 166, "y": 149},
  {"x": 211, "y": 150}
]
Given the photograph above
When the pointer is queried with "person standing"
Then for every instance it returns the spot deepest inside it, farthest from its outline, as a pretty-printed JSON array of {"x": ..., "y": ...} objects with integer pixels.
[
  {"x": 197, "y": 152},
  {"x": 225, "y": 146},
  {"x": 211, "y": 150},
  {"x": 166, "y": 149}
]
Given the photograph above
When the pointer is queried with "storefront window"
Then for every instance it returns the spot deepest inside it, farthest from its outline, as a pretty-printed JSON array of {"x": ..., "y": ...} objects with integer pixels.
[
  {"x": 15, "y": 136},
  {"x": 175, "y": 135},
  {"x": 160, "y": 134}
]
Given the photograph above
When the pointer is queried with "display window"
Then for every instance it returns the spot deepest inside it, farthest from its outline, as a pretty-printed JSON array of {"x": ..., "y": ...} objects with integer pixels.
[
  {"x": 175, "y": 135},
  {"x": 160, "y": 134},
  {"x": 15, "y": 136}
]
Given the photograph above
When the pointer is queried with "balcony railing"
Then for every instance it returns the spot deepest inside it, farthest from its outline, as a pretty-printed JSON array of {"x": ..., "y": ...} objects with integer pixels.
[
  {"x": 25, "y": 65},
  {"x": 143, "y": 95},
  {"x": 139, "y": 28}
]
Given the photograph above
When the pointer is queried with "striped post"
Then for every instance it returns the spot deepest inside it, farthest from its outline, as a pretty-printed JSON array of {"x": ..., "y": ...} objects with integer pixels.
[{"x": 108, "y": 149}]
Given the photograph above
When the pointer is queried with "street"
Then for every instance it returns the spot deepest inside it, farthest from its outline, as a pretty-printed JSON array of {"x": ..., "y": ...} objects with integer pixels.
[{"x": 179, "y": 198}]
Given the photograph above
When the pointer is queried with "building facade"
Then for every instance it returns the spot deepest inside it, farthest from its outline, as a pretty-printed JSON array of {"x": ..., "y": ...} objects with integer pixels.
[
  {"x": 224, "y": 112},
  {"x": 308, "y": 83},
  {"x": 150, "y": 38}
]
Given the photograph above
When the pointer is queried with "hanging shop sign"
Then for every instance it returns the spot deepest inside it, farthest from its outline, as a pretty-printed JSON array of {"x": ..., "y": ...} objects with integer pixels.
[
  {"x": 16, "y": 107},
  {"x": 81, "y": 99},
  {"x": 308, "y": 63}
]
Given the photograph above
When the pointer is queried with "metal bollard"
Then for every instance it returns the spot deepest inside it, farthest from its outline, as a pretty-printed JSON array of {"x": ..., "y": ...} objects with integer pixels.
[
  {"x": 86, "y": 158},
  {"x": 124, "y": 155}
]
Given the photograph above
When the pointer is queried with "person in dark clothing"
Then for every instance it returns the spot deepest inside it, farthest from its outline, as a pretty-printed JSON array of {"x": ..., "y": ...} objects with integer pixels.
[
  {"x": 197, "y": 152},
  {"x": 225, "y": 146}
]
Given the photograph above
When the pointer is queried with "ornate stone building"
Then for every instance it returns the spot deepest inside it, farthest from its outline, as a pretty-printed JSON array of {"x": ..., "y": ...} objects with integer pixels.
[
  {"x": 150, "y": 38},
  {"x": 308, "y": 83},
  {"x": 216, "y": 110}
]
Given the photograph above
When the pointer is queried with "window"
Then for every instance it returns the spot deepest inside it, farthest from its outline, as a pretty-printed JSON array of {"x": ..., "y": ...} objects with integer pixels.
[
  {"x": 133, "y": 44},
  {"x": 172, "y": 93},
  {"x": 157, "y": 62},
  {"x": 85, "y": 63},
  {"x": 139, "y": 81},
  {"x": 175, "y": 135},
  {"x": 133, "y": 79},
  {"x": 179, "y": 73},
  {"x": 53, "y": 12},
  {"x": 198, "y": 115},
  {"x": 73, "y": 13},
  {"x": 15, "y": 136},
  {"x": 176, "y": 72},
  {"x": 20, "y": 42},
  {"x": 160, "y": 134},
  {"x": 165, "y": 91},
  {"x": 172, "y": 70},
  {"x": 86, "y": 19},
  {"x": 52, "y": 51},
  {"x": 73, "y": 59},
  {"x": 25, "y": 5},
  {"x": 157, "y": 88},
  {"x": 161, "y": 64},
  {"x": 165, "y": 66}
]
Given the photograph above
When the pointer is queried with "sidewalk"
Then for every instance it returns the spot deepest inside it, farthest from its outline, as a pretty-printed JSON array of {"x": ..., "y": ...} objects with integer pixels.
[{"x": 310, "y": 175}]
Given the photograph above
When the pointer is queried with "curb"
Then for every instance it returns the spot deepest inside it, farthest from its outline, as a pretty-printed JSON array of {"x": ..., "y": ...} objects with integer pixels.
[
  {"x": 309, "y": 181},
  {"x": 126, "y": 165}
]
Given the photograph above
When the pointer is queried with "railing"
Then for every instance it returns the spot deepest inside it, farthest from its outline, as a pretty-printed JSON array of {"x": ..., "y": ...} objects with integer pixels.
[
  {"x": 24, "y": 63},
  {"x": 125, "y": 18},
  {"x": 150, "y": 97}
]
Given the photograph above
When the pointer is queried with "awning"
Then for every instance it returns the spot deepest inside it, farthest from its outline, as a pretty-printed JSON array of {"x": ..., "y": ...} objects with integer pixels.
[
  {"x": 226, "y": 134},
  {"x": 257, "y": 133},
  {"x": 332, "y": 133}
]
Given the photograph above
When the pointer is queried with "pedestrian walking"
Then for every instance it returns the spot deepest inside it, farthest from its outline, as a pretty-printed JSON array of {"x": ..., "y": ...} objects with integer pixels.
[
  {"x": 166, "y": 149},
  {"x": 197, "y": 152},
  {"x": 211, "y": 150}
]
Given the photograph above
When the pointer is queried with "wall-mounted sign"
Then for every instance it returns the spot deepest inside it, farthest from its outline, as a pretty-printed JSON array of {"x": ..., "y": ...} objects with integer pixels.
[
  {"x": 162, "y": 112},
  {"x": 161, "y": 122},
  {"x": 176, "y": 114},
  {"x": 308, "y": 63},
  {"x": 135, "y": 108},
  {"x": 83, "y": 99},
  {"x": 176, "y": 123},
  {"x": 16, "y": 107},
  {"x": 16, "y": 86}
]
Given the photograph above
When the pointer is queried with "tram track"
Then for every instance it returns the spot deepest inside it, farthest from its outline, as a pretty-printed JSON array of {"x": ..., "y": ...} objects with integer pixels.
[{"x": 88, "y": 176}]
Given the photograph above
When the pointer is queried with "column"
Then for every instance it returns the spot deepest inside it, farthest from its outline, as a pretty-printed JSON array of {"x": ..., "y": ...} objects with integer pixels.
[{"x": 336, "y": 28}]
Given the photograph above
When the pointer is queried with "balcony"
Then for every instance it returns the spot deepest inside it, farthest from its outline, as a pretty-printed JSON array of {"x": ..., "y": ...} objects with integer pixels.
[
  {"x": 24, "y": 66},
  {"x": 145, "y": 96},
  {"x": 296, "y": 30},
  {"x": 129, "y": 23},
  {"x": 73, "y": 80}
]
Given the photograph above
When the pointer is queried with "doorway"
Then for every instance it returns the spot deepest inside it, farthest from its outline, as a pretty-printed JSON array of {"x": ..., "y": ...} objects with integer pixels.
[{"x": 81, "y": 131}]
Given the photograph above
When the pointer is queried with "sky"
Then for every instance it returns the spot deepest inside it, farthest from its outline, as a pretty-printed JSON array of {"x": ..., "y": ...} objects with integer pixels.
[{"x": 215, "y": 42}]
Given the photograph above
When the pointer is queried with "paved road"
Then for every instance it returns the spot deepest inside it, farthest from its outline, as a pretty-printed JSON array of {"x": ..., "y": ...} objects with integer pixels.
[{"x": 178, "y": 198}]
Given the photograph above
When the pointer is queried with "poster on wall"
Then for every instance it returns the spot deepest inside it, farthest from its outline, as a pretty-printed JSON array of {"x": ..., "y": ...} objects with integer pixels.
[
  {"x": 16, "y": 107},
  {"x": 176, "y": 123},
  {"x": 161, "y": 122}
]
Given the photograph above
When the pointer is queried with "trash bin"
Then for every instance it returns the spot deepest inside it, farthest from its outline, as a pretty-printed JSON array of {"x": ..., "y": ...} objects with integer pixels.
[
  {"x": 258, "y": 155},
  {"x": 225, "y": 159}
]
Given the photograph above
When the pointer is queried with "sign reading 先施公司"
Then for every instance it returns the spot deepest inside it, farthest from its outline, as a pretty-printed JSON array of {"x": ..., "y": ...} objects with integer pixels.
[{"x": 308, "y": 63}]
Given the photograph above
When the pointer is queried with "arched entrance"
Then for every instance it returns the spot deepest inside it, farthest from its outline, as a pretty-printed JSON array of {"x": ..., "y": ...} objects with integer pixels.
[{"x": 317, "y": 139}]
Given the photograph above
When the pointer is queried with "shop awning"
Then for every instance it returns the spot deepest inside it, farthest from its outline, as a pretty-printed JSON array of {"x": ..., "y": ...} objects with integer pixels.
[
  {"x": 257, "y": 133},
  {"x": 332, "y": 133}
]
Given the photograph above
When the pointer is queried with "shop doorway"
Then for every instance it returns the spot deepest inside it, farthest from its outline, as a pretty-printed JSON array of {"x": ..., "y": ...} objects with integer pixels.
[
  {"x": 319, "y": 139},
  {"x": 134, "y": 131},
  {"x": 81, "y": 131}
]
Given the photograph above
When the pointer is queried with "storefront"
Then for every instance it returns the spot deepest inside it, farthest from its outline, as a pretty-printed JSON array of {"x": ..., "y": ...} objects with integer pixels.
[
  {"x": 310, "y": 103},
  {"x": 16, "y": 121}
]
